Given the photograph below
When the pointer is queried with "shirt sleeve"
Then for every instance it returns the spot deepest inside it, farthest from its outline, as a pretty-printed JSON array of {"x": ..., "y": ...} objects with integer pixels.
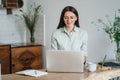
[
  {"x": 53, "y": 42},
  {"x": 85, "y": 44}
]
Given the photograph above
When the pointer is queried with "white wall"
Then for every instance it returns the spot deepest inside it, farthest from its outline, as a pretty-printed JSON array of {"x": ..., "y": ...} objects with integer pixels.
[
  {"x": 89, "y": 10},
  {"x": 11, "y": 31}
]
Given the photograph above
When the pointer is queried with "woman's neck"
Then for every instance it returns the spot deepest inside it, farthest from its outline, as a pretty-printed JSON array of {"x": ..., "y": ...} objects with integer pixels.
[{"x": 69, "y": 29}]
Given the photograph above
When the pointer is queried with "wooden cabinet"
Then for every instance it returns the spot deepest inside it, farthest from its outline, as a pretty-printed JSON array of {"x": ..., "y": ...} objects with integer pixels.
[
  {"x": 17, "y": 58},
  {"x": 5, "y": 58},
  {"x": 26, "y": 57}
]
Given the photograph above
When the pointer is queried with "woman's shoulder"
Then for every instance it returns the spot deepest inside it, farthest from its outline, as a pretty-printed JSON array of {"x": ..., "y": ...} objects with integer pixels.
[
  {"x": 81, "y": 30},
  {"x": 57, "y": 31}
]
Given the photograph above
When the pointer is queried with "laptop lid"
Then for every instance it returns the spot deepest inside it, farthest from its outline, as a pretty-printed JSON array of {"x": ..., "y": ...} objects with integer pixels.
[{"x": 64, "y": 61}]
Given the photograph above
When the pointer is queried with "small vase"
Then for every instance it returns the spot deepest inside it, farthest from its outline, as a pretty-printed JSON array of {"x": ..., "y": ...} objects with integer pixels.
[
  {"x": 117, "y": 55},
  {"x": 32, "y": 38}
]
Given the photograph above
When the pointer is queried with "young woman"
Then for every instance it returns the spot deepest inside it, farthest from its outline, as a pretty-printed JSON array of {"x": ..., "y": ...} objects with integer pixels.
[{"x": 69, "y": 35}]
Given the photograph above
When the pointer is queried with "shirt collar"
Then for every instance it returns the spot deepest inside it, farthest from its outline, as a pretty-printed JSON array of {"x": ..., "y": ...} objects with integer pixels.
[{"x": 74, "y": 30}]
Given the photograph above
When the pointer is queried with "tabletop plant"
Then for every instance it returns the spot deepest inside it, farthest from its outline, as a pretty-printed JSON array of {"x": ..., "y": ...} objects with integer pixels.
[
  {"x": 112, "y": 28},
  {"x": 30, "y": 18}
]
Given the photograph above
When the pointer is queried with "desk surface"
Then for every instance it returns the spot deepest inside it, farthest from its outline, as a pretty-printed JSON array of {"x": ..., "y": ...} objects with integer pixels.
[{"x": 98, "y": 75}]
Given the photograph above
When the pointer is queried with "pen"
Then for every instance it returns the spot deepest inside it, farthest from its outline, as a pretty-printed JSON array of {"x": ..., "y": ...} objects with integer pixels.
[{"x": 103, "y": 61}]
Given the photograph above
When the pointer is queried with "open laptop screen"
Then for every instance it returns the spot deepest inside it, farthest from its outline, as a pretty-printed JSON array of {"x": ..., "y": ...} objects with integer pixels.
[{"x": 64, "y": 61}]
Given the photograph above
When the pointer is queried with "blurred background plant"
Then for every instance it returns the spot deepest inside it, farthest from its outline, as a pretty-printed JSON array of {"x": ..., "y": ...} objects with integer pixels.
[
  {"x": 30, "y": 18},
  {"x": 112, "y": 28}
]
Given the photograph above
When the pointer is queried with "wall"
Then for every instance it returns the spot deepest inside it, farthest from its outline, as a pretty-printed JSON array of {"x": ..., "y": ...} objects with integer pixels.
[
  {"x": 89, "y": 10},
  {"x": 13, "y": 30},
  {"x": 99, "y": 43}
]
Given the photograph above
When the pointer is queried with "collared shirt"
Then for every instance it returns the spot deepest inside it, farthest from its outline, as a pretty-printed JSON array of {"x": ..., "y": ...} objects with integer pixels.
[{"x": 76, "y": 40}]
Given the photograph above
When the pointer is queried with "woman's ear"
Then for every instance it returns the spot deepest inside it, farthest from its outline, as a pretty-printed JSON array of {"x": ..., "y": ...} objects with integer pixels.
[{"x": 76, "y": 18}]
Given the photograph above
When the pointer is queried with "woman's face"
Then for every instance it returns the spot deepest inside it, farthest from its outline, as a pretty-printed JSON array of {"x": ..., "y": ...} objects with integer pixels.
[{"x": 69, "y": 19}]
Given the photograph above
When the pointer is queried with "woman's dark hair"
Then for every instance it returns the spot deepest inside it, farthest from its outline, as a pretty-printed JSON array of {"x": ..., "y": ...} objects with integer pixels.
[{"x": 71, "y": 9}]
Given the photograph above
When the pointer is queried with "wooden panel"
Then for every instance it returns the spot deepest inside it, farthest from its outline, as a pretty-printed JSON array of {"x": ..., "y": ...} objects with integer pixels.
[
  {"x": 11, "y": 3},
  {"x": 5, "y": 57},
  {"x": 16, "y": 3},
  {"x": 29, "y": 57}
]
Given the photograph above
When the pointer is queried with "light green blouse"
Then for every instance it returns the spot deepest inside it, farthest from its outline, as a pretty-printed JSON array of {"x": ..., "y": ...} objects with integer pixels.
[{"x": 76, "y": 40}]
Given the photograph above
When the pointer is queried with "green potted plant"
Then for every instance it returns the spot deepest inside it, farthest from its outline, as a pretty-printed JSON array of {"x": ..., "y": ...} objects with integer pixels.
[
  {"x": 113, "y": 30},
  {"x": 30, "y": 18}
]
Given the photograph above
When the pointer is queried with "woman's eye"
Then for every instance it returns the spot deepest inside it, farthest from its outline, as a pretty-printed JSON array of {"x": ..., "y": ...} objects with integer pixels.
[{"x": 71, "y": 17}]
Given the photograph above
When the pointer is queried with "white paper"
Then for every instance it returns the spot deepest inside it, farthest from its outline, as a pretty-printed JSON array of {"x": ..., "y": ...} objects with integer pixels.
[{"x": 32, "y": 72}]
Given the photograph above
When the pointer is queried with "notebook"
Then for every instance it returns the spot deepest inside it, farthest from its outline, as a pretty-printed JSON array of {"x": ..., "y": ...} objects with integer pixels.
[
  {"x": 64, "y": 61},
  {"x": 110, "y": 64},
  {"x": 32, "y": 72}
]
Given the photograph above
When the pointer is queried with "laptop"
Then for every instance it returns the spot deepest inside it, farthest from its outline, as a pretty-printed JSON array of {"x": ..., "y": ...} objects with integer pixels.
[{"x": 64, "y": 61}]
